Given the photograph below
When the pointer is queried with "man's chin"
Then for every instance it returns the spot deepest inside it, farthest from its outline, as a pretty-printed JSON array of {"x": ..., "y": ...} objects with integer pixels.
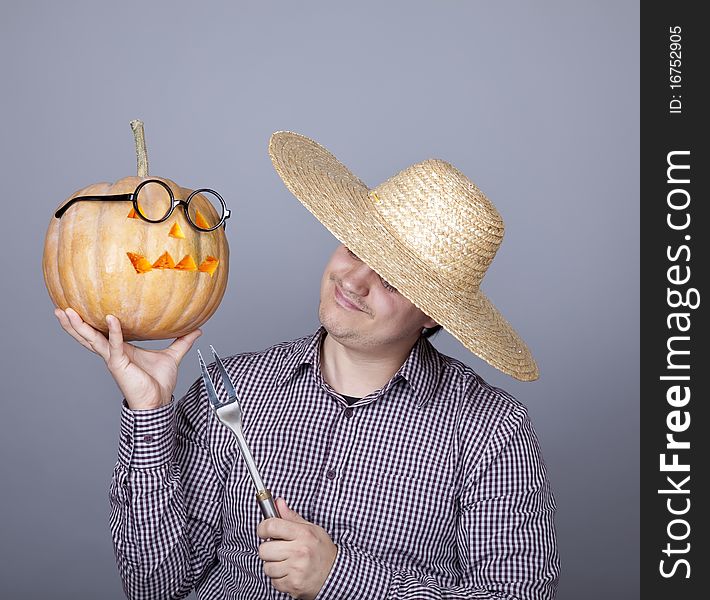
[
  {"x": 335, "y": 327},
  {"x": 338, "y": 331}
]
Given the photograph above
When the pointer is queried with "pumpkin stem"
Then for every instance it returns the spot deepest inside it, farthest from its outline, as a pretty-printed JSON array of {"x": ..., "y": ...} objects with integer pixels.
[{"x": 141, "y": 151}]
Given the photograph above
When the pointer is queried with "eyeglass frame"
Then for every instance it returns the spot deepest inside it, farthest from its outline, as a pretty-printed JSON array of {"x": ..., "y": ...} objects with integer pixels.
[{"x": 133, "y": 197}]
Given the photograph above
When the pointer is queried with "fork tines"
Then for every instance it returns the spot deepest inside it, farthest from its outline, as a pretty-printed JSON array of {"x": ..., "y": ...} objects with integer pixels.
[{"x": 209, "y": 385}]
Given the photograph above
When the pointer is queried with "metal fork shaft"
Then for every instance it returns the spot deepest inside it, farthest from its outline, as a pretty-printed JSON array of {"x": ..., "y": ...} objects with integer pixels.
[{"x": 229, "y": 415}]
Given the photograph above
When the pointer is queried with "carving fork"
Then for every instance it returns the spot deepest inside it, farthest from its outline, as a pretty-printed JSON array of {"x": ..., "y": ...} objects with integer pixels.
[{"x": 229, "y": 413}]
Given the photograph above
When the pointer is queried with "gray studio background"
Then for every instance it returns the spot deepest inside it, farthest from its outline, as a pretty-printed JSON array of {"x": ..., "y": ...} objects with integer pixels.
[{"x": 537, "y": 102}]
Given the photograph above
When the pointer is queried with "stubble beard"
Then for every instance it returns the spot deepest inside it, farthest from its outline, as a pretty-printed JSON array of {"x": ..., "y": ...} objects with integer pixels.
[
  {"x": 335, "y": 329},
  {"x": 350, "y": 335},
  {"x": 329, "y": 316}
]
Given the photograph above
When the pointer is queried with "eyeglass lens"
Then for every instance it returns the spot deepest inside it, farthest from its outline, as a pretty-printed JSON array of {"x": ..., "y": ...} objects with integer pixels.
[
  {"x": 154, "y": 203},
  {"x": 205, "y": 210}
]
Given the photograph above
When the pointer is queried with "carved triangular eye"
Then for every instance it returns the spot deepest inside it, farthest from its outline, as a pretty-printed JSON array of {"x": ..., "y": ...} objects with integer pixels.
[
  {"x": 200, "y": 220},
  {"x": 140, "y": 263},
  {"x": 176, "y": 231},
  {"x": 133, "y": 214}
]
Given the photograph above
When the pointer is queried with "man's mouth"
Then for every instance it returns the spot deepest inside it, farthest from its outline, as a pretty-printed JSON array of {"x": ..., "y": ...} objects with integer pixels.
[{"x": 343, "y": 301}]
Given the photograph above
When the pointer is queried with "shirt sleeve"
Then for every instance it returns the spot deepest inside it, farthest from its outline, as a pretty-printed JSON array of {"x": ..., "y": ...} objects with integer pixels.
[
  {"x": 506, "y": 538},
  {"x": 165, "y": 500}
]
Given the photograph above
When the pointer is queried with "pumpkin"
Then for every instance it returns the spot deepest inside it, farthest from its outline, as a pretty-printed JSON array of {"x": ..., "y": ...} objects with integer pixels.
[{"x": 161, "y": 280}]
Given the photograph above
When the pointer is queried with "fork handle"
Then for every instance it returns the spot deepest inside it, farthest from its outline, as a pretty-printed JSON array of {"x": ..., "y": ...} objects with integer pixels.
[{"x": 266, "y": 504}]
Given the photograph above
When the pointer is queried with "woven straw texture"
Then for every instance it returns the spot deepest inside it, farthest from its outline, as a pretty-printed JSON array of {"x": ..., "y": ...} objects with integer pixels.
[{"x": 428, "y": 230}]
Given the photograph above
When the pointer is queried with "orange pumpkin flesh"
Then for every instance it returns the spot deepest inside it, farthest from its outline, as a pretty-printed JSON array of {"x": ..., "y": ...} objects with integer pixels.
[
  {"x": 97, "y": 261},
  {"x": 209, "y": 265},
  {"x": 176, "y": 231},
  {"x": 164, "y": 262},
  {"x": 140, "y": 263},
  {"x": 133, "y": 214},
  {"x": 186, "y": 264},
  {"x": 200, "y": 220}
]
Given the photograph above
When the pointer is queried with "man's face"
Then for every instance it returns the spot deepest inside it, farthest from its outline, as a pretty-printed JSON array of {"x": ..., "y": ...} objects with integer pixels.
[{"x": 361, "y": 310}]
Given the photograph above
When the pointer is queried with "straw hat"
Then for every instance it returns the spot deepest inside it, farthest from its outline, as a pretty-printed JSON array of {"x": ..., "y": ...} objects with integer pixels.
[{"x": 428, "y": 230}]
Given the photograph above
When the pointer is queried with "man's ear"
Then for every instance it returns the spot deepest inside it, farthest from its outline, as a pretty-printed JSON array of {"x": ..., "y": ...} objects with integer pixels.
[{"x": 429, "y": 323}]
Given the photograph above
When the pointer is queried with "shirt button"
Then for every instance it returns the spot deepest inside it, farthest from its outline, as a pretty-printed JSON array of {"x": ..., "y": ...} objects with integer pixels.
[
  {"x": 348, "y": 413},
  {"x": 330, "y": 474},
  {"x": 148, "y": 439}
]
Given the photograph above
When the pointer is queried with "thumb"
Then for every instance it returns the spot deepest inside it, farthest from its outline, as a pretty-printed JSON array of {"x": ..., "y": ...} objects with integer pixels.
[
  {"x": 286, "y": 513},
  {"x": 181, "y": 345}
]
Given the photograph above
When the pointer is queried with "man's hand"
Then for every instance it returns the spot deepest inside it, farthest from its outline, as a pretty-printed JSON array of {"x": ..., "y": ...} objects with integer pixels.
[
  {"x": 297, "y": 555},
  {"x": 147, "y": 378}
]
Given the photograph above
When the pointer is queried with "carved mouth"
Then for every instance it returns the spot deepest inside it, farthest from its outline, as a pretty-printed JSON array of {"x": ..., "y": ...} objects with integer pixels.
[{"x": 142, "y": 265}]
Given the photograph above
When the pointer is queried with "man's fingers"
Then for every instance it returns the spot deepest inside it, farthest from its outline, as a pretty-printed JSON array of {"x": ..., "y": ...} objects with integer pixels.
[
  {"x": 275, "y": 570},
  {"x": 287, "y": 513},
  {"x": 278, "y": 529},
  {"x": 115, "y": 333},
  {"x": 179, "y": 348},
  {"x": 67, "y": 326},
  {"x": 275, "y": 550},
  {"x": 115, "y": 340},
  {"x": 284, "y": 585},
  {"x": 96, "y": 340}
]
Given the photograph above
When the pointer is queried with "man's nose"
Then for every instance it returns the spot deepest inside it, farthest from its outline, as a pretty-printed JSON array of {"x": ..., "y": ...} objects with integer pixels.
[{"x": 358, "y": 278}]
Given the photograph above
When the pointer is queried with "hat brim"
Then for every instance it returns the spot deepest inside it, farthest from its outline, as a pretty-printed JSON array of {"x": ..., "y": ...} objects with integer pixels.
[{"x": 343, "y": 204}]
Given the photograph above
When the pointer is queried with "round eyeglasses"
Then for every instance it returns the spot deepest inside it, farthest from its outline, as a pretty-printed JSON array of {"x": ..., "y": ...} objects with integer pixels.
[{"x": 154, "y": 202}]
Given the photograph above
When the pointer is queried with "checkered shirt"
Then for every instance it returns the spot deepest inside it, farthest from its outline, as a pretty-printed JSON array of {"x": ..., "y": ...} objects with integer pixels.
[{"x": 432, "y": 487}]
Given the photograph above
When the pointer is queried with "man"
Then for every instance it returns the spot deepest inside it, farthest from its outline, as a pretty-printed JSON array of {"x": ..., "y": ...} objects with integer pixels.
[{"x": 406, "y": 475}]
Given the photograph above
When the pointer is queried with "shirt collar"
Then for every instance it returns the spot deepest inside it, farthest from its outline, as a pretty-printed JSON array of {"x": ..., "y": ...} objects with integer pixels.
[
  {"x": 307, "y": 352},
  {"x": 421, "y": 370}
]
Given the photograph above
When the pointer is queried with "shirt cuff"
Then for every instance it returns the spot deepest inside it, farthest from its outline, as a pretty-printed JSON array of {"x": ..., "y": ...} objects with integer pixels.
[
  {"x": 355, "y": 576},
  {"x": 146, "y": 438}
]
